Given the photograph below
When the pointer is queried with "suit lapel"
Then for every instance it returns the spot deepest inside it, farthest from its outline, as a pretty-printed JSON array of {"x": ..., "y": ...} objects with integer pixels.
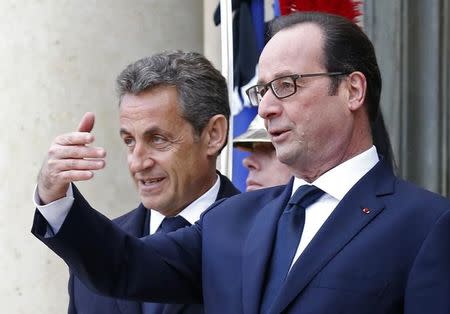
[
  {"x": 346, "y": 221},
  {"x": 258, "y": 248},
  {"x": 227, "y": 188},
  {"x": 135, "y": 224}
]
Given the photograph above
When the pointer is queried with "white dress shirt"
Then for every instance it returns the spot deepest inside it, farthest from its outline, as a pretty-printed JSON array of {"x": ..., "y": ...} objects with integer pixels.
[
  {"x": 56, "y": 212},
  {"x": 192, "y": 212},
  {"x": 335, "y": 183}
]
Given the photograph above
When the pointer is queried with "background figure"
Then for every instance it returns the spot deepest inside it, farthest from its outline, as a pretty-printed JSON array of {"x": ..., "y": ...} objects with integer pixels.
[
  {"x": 173, "y": 122},
  {"x": 344, "y": 235},
  {"x": 264, "y": 169}
]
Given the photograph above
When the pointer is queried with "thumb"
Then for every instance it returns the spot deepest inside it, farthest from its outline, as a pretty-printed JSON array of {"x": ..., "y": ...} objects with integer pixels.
[{"x": 87, "y": 122}]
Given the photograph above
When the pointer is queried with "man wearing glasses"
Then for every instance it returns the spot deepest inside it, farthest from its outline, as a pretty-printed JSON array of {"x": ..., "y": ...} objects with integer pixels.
[
  {"x": 344, "y": 236},
  {"x": 283, "y": 86}
]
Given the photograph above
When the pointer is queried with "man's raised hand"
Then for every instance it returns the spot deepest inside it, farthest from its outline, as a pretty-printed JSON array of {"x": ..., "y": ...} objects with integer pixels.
[{"x": 70, "y": 158}]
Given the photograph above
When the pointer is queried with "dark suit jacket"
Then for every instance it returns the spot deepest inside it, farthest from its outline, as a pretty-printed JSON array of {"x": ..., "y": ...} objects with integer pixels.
[
  {"x": 392, "y": 258},
  {"x": 136, "y": 223}
]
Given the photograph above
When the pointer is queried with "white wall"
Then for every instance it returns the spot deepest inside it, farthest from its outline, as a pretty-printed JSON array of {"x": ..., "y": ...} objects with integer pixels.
[
  {"x": 59, "y": 59},
  {"x": 211, "y": 34}
]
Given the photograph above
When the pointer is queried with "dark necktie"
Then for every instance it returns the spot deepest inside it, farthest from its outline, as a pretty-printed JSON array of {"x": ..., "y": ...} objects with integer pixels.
[
  {"x": 289, "y": 231},
  {"x": 168, "y": 224}
]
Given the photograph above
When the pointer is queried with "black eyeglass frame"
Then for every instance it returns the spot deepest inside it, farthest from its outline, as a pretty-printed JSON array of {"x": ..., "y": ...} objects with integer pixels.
[{"x": 294, "y": 78}]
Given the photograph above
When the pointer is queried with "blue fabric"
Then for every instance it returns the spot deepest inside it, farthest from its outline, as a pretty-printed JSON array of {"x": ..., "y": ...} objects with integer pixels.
[
  {"x": 169, "y": 224},
  {"x": 152, "y": 308},
  {"x": 276, "y": 8},
  {"x": 394, "y": 258},
  {"x": 257, "y": 9},
  {"x": 289, "y": 231},
  {"x": 240, "y": 125},
  {"x": 83, "y": 300}
]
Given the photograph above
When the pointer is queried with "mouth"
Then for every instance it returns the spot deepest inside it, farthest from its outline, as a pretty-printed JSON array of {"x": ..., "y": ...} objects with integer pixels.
[
  {"x": 278, "y": 134},
  {"x": 253, "y": 185},
  {"x": 148, "y": 185},
  {"x": 147, "y": 182}
]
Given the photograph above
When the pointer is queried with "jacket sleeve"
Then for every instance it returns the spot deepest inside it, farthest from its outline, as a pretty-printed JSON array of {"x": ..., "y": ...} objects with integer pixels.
[
  {"x": 164, "y": 268},
  {"x": 71, "y": 290},
  {"x": 428, "y": 286}
]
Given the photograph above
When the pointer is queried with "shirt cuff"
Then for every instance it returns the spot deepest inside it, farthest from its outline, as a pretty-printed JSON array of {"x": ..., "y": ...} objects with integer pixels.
[{"x": 55, "y": 212}]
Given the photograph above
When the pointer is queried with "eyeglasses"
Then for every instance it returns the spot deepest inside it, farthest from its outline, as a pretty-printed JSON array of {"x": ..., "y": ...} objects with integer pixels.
[{"x": 281, "y": 87}]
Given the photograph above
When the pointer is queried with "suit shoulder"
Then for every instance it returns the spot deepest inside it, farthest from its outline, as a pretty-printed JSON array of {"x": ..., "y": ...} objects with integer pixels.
[
  {"x": 261, "y": 194},
  {"x": 421, "y": 195},
  {"x": 418, "y": 204},
  {"x": 236, "y": 202}
]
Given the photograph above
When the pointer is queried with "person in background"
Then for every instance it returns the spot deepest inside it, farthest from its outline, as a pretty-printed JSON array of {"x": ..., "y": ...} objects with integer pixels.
[
  {"x": 173, "y": 123},
  {"x": 264, "y": 169},
  {"x": 345, "y": 235}
]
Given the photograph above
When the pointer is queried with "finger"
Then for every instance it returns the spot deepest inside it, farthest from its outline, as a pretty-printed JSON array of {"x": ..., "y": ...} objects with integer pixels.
[
  {"x": 87, "y": 122},
  {"x": 75, "y": 175},
  {"x": 74, "y": 138},
  {"x": 60, "y": 165},
  {"x": 75, "y": 152}
]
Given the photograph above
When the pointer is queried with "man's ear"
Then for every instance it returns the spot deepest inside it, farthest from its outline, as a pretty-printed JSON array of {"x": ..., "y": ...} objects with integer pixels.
[
  {"x": 215, "y": 134},
  {"x": 357, "y": 86}
]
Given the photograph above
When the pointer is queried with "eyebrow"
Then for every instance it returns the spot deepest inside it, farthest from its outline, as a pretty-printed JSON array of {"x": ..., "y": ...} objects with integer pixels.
[
  {"x": 277, "y": 75},
  {"x": 123, "y": 131},
  {"x": 150, "y": 131}
]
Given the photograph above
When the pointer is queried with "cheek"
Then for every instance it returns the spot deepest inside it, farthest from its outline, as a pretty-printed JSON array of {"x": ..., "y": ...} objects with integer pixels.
[
  {"x": 179, "y": 167},
  {"x": 301, "y": 116},
  {"x": 130, "y": 170},
  {"x": 323, "y": 121},
  {"x": 267, "y": 166}
]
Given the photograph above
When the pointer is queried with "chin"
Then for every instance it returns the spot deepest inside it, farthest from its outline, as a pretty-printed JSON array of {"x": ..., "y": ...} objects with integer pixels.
[
  {"x": 150, "y": 203},
  {"x": 286, "y": 158},
  {"x": 253, "y": 186}
]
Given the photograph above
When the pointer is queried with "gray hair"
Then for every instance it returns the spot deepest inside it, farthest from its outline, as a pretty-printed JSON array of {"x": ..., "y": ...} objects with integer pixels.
[{"x": 202, "y": 90}]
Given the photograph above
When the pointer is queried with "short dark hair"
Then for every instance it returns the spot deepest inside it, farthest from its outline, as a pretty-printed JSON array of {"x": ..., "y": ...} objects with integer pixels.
[
  {"x": 202, "y": 90},
  {"x": 346, "y": 49}
]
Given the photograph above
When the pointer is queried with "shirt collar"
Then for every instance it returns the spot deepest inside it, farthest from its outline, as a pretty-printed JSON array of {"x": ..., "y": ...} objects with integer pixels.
[
  {"x": 193, "y": 211},
  {"x": 337, "y": 181}
]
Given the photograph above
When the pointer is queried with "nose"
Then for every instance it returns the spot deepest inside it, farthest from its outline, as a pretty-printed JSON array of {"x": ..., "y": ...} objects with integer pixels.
[
  {"x": 251, "y": 163},
  {"x": 140, "y": 158},
  {"x": 269, "y": 106}
]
